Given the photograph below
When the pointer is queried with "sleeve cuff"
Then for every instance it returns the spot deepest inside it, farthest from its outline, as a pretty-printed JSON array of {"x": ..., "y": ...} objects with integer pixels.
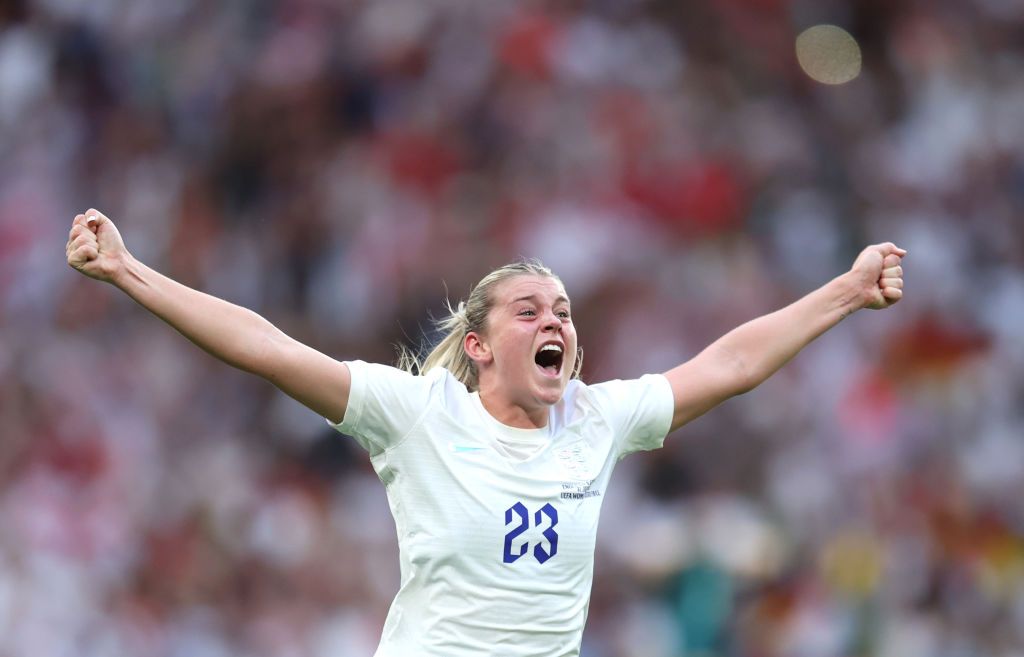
[{"x": 354, "y": 408}]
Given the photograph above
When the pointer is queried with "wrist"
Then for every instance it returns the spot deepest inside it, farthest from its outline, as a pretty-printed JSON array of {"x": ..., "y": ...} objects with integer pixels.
[
  {"x": 127, "y": 269},
  {"x": 848, "y": 294}
]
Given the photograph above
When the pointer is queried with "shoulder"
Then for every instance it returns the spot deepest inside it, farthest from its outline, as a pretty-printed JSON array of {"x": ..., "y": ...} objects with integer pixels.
[
  {"x": 394, "y": 375},
  {"x": 615, "y": 391},
  {"x": 616, "y": 398},
  {"x": 387, "y": 383},
  {"x": 386, "y": 402},
  {"x": 440, "y": 391},
  {"x": 582, "y": 401},
  {"x": 638, "y": 411},
  {"x": 449, "y": 390}
]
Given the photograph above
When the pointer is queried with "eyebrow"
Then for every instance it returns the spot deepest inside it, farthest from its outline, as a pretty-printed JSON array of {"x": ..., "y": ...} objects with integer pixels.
[{"x": 533, "y": 297}]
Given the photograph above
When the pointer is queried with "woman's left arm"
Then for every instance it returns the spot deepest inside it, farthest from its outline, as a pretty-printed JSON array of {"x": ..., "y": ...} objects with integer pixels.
[{"x": 744, "y": 357}]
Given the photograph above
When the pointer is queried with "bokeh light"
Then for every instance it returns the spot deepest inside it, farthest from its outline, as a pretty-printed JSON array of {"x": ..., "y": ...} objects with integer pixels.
[{"x": 828, "y": 54}]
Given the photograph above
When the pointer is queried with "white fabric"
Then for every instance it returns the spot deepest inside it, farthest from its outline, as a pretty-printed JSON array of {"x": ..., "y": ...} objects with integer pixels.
[{"x": 466, "y": 507}]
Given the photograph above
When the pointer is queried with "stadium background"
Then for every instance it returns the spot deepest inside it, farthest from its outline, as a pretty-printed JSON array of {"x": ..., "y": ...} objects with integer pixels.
[{"x": 333, "y": 165}]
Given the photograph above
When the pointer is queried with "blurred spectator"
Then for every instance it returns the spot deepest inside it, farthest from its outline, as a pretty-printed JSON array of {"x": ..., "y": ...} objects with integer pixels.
[{"x": 339, "y": 166}]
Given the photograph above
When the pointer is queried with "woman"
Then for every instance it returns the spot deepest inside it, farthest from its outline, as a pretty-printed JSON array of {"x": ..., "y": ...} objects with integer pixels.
[{"x": 496, "y": 458}]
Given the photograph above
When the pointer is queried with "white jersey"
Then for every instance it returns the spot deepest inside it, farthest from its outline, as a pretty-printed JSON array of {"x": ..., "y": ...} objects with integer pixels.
[{"x": 496, "y": 525}]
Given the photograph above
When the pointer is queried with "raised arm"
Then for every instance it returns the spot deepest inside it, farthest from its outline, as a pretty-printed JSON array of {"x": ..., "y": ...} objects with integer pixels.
[
  {"x": 236, "y": 335},
  {"x": 743, "y": 358}
]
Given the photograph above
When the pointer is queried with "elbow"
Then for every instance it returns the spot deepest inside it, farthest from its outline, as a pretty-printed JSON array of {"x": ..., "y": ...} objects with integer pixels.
[
  {"x": 742, "y": 381},
  {"x": 265, "y": 354},
  {"x": 749, "y": 377},
  {"x": 740, "y": 376},
  {"x": 745, "y": 384}
]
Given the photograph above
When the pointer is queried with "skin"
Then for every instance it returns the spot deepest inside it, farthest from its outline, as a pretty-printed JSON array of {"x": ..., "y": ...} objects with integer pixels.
[
  {"x": 235, "y": 335},
  {"x": 746, "y": 356},
  {"x": 528, "y": 311}
]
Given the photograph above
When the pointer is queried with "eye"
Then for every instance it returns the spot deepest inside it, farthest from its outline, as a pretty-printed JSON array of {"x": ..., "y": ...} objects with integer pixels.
[
  {"x": 527, "y": 312},
  {"x": 564, "y": 314}
]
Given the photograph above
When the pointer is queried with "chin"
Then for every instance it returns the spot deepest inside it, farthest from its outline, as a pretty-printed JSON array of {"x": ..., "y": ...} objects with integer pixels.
[
  {"x": 551, "y": 399},
  {"x": 551, "y": 392}
]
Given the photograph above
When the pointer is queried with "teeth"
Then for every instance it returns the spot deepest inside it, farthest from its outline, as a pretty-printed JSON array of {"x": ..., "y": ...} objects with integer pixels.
[{"x": 551, "y": 347}]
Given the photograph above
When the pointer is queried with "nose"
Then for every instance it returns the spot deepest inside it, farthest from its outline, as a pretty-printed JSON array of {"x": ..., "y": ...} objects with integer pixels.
[{"x": 552, "y": 323}]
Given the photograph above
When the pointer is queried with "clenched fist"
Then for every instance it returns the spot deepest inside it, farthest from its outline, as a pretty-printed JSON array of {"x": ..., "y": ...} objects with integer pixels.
[
  {"x": 94, "y": 246},
  {"x": 879, "y": 273}
]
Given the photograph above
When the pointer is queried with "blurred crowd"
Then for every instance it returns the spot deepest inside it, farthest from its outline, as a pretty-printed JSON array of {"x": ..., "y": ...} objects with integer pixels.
[{"x": 340, "y": 166}]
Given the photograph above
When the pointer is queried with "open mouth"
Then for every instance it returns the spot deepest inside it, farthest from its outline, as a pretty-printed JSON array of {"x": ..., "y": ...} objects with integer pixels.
[{"x": 549, "y": 359}]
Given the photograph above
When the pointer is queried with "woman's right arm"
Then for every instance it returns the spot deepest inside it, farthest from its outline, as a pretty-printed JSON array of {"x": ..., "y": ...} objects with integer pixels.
[{"x": 236, "y": 335}]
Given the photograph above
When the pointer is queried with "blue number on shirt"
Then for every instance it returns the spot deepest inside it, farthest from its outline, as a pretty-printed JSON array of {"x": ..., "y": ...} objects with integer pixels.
[
  {"x": 539, "y": 552},
  {"x": 524, "y": 521},
  {"x": 550, "y": 534}
]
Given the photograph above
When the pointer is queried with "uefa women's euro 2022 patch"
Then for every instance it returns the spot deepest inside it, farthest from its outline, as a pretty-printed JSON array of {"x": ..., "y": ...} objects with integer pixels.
[{"x": 577, "y": 464}]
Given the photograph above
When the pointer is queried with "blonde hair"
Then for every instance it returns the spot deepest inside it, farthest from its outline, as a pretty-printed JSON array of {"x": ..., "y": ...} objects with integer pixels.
[{"x": 471, "y": 316}]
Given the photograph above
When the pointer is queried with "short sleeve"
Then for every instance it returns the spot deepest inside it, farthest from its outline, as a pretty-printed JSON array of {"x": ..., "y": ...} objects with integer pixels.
[
  {"x": 384, "y": 404},
  {"x": 639, "y": 410}
]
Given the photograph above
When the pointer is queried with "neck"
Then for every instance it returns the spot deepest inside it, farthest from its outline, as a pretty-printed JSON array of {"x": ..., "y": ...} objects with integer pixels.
[{"x": 512, "y": 414}]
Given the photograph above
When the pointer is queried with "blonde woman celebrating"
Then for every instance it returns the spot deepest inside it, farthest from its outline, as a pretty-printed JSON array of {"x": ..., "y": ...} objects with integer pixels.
[{"x": 495, "y": 456}]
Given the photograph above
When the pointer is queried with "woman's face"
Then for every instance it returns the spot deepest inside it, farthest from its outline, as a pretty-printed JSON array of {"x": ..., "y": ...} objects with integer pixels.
[{"x": 529, "y": 345}]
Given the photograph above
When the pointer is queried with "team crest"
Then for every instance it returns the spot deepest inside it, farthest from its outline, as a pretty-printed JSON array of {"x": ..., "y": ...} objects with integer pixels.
[{"x": 576, "y": 461}]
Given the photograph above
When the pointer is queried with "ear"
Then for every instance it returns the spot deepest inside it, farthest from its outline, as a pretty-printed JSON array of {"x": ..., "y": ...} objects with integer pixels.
[{"x": 478, "y": 350}]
